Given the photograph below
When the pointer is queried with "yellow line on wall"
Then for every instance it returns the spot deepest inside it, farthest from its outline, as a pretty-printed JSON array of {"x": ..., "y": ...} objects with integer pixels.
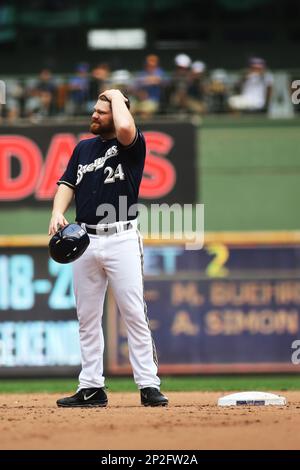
[{"x": 226, "y": 238}]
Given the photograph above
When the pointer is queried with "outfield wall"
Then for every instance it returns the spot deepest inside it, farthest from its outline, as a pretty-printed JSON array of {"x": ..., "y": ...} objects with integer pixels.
[{"x": 249, "y": 173}]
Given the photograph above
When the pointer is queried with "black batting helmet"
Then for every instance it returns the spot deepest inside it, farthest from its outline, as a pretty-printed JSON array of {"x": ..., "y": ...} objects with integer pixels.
[{"x": 68, "y": 243}]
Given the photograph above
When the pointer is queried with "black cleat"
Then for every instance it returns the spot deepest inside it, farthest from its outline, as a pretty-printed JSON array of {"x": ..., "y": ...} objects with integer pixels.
[
  {"x": 85, "y": 398},
  {"x": 151, "y": 396}
]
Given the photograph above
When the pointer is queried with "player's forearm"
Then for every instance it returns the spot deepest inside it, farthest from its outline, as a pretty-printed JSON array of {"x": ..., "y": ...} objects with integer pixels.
[
  {"x": 123, "y": 120},
  {"x": 62, "y": 199}
]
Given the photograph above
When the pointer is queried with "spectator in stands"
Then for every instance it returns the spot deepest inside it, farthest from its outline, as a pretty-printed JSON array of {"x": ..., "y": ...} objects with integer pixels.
[
  {"x": 177, "y": 90},
  {"x": 255, "y": 88},
  {"x": 40, "y": 100},
  {"x": 98, "y": 82},
  {"x": 196, "y": 89},
  {"x": 123, "y": 80},
  {"x": 61, "y": 100},
  {"x": 46, "y": 89},
  {"x": 148, "y": 87},
  {"x": 13, "y": 109},
  {"x": 79, "y": 90},
  {"x": 218, "y": 91}
]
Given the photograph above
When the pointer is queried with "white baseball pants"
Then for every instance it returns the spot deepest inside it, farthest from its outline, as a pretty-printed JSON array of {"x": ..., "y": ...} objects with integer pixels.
[{"x": 117, "y": 259}]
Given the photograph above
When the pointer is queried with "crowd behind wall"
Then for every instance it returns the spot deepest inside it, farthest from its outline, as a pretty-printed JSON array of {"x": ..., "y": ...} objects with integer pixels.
[{"x": 190, "y": 88}]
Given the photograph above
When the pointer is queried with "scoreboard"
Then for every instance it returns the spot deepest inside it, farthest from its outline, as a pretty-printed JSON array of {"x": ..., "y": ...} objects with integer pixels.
[
  {"x": 221, "y": 309},
  {"x": 232, "y": 306}
]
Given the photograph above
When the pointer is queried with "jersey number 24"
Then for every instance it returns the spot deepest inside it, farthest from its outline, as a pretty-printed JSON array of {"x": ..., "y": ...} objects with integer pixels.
[{"x": 114, "y": 174}]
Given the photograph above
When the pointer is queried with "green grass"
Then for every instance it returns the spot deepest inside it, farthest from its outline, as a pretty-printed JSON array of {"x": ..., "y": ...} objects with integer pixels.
[{"x": 174, "y": 384}]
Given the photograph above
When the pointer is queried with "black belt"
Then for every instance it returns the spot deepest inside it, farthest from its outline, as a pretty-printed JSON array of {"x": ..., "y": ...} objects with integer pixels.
[{"x": 107, "y": 230}]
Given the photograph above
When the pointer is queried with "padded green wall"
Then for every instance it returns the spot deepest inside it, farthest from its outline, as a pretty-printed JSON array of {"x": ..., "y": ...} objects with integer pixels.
[{"x": 250, "y": 175}]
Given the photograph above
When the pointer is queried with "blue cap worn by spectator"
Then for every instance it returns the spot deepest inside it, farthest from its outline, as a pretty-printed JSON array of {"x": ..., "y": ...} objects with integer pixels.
[{"x": 82, "y": 67}]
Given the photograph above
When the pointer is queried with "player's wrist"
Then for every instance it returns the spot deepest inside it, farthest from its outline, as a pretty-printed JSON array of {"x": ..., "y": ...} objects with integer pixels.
[
  {"x": 56, "y": 212},
  {"x": 117, "y": 94}
]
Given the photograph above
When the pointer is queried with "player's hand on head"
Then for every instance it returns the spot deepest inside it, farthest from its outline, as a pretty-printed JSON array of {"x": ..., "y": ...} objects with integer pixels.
[
  {"x": 57, "y": 221},
  {"x": 110, "y": 94}
]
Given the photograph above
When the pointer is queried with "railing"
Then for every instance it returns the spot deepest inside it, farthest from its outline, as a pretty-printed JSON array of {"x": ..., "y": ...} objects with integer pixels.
[{"x": 48, "y": 96}]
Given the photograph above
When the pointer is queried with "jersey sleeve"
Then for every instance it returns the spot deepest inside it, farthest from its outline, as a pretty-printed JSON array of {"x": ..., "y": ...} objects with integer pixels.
[
  {"x": 137, "y": 148},
  {"x": 70, "y": 175}
]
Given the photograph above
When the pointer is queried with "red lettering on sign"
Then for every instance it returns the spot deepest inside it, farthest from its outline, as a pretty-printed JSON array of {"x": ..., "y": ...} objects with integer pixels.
[
  {"x": 158, "y": 180},
  {"x": 59, "y": 153},
  {"x": 159, "y": 173},
  {"x": 30, "y": 160}
]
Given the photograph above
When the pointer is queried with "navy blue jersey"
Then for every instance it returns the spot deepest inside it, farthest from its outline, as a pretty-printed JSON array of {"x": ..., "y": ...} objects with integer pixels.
[{"x": 100, "y": 171}]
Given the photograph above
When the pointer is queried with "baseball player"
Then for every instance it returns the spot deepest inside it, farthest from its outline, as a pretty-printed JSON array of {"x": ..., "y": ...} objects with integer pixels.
[{"x": 100, "y": 171}]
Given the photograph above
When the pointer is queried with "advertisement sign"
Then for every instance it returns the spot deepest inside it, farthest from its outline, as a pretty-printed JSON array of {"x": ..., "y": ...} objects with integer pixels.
[
  {"x": 33, "y": 158},
  {"x": 220, "y": 309},
  {"x": 38, "y": 324}
]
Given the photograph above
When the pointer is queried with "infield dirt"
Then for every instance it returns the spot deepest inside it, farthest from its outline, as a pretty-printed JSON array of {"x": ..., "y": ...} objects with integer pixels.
[{"x": 192, "y": 421}]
